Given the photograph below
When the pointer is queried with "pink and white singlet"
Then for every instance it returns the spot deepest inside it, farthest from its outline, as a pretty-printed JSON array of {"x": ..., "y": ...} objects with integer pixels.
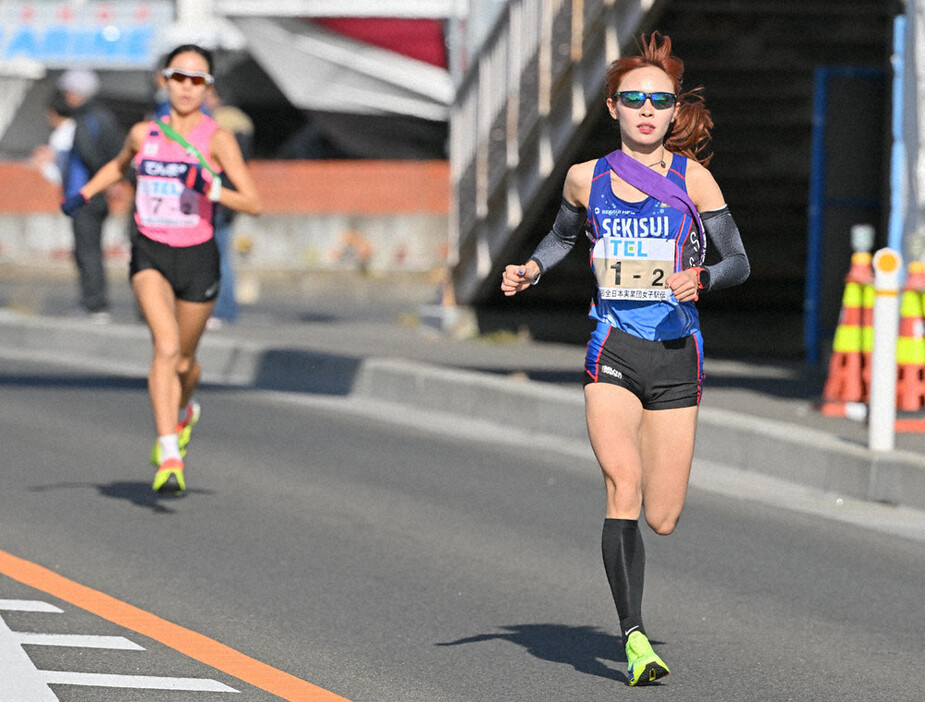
[{"x": 166, "y": 210}]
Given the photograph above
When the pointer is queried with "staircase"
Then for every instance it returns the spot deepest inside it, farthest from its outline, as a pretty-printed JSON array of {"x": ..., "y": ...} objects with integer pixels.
[
  {"x": 533, "y": 105},
  {"x": 520, "y": 113}
]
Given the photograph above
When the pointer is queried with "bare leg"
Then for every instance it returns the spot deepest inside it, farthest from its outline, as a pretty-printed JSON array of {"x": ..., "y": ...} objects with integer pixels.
[
  {"x": 614, "y": 417},
  {"x": 176, "y": 328},
  {"x": 192, "y": 318},
  {"x": 158, "y": 305},
  {"x": 645, "y": 457},
  {"x": 667, "y": 453}
]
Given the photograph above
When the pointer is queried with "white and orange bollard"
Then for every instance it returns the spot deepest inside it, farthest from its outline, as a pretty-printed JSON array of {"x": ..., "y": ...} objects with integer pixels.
[{"x": 881, "y": 421}]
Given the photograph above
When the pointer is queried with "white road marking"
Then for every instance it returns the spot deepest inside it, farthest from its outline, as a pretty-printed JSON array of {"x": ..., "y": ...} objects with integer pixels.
[
  {"x": 28, "y": 606},
  {"x": 79, "y": 641},
  {"x": 23, "y": 682},
  {"x": 136, "y": 682}
]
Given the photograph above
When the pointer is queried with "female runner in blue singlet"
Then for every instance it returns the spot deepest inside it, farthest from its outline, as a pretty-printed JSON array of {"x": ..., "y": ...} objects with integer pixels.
[{"x": 644, "y": 364}]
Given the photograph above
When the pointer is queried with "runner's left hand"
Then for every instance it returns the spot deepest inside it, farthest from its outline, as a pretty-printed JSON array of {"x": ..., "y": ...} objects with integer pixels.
[
  {"x": 684, "y": 285},
  {"x": 198, "y": 179}
]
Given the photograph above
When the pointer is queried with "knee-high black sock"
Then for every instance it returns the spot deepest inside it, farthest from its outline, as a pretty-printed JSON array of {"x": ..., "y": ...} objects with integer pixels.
[{"x": 625, "y": 564}]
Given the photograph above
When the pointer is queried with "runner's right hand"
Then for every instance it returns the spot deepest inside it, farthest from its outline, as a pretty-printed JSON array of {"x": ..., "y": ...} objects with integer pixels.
[
  {"x": 515, "y": 278},
  {"x": 70, "y": 205}
]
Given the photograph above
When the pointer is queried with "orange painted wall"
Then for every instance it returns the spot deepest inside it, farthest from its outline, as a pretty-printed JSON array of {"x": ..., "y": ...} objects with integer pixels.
[
  {"x": 286, "y": 188},
  {"x": 23, "y": 190},
  {"x": 357, "y": 187}
]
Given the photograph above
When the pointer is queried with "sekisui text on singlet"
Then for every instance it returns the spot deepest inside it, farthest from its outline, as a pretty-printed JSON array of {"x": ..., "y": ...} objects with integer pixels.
[
  {"x": 165, "y": 209},
  {"x": 635, "y": 246}
]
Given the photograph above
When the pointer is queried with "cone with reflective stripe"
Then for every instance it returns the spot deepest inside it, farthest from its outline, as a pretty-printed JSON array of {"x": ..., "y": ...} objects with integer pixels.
[
  {"x": 910, "y": 345},
  {"x": 845, "y": 383},
  {"x": 868, "y": 297},
  {"x": 862, "y": 268}
]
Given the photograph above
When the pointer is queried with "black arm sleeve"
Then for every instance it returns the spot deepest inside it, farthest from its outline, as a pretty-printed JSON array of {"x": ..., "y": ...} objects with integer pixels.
[
  {"x": 732, "y": 268},
  {"x": 565, "y": 230}
]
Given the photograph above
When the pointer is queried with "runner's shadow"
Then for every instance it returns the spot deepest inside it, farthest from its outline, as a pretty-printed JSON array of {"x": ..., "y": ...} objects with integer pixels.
[
  {"x": 138, "y": 492},
  {"x": 585, "y": 648}
]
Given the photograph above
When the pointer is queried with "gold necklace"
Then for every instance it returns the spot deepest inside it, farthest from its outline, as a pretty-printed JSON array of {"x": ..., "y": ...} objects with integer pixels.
[{"x": 661, "y": 161}]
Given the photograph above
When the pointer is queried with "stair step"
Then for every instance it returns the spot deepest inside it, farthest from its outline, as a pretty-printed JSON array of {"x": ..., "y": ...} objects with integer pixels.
[{"x": 798, "y": 10}]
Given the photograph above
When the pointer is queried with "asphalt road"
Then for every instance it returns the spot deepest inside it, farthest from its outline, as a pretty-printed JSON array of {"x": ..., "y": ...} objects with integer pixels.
[{"x": 389, "y": 555}]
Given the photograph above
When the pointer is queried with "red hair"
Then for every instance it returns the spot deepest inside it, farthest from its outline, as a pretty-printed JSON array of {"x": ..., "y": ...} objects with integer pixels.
[{"x": 689, "y": 134}]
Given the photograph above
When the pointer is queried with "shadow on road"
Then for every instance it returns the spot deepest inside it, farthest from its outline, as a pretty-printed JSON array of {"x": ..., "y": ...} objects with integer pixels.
[
  {"x": 585, "y": 648},
  {"x": 78, "y": 381},
  {"x": 138, "y": 492}
]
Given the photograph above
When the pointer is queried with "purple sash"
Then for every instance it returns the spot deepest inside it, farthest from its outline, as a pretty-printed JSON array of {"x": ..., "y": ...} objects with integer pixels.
[{"x": 657, "y": 186}]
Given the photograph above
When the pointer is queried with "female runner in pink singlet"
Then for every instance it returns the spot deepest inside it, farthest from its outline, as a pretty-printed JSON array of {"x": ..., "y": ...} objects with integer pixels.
[{"x": 179, "y": 162}]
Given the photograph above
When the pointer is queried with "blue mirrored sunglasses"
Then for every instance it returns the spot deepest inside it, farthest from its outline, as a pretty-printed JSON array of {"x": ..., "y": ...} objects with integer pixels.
[{"x": 637, "y": 98}]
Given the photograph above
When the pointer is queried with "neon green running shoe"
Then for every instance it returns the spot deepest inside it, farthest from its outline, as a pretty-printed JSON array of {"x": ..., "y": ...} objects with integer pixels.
[
  {"x": 184, "y": 433},
  {"x": 185, "y": 428},
  {"x": 169, "y": 478},
  {"x": 644, "y": 666}
]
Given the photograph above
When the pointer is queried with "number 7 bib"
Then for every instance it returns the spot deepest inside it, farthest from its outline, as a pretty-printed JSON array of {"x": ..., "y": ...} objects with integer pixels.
[{"x": 633, "y": 268}]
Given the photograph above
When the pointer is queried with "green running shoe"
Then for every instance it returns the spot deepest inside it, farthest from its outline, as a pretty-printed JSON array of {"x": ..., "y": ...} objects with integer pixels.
[
  {"x": 169, "y": 478},
  {"x": 184, "y": 433},
  {"x": 185, "y": 428},
  {"x": 644, "y": 666}
]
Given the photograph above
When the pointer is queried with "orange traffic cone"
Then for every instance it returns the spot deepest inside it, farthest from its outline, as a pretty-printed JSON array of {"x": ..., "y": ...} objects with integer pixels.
[
  {"x": 910, "y": 350},
  {"x": 862, "y": 268},
  {"x": 845, "y": 391},
  {"x": 915, "y": 277},
  {"x": 868, "y": 297}
]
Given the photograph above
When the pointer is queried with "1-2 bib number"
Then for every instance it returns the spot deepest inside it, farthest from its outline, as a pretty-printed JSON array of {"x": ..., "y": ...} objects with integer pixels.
[{"x": 633, "y": 268}]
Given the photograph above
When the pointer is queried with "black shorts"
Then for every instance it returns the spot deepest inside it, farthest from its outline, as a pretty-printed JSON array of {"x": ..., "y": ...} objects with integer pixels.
[
  {"x": 192, "y": 271},
  {"x": 662, "y": 374}
]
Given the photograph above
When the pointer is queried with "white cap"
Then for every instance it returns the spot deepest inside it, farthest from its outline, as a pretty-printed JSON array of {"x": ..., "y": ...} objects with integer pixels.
[{"x": 80, "y": 81}]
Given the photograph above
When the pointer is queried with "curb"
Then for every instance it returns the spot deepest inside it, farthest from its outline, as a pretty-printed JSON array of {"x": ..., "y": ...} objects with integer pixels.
[
  {"x": 785, "y": 451},
  {"x": 788, "y": 452}
]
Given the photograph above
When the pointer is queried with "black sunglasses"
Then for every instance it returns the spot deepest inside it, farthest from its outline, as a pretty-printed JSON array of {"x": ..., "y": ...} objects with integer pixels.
[
  {"x": 637, "y": 98},
  {"x": 196, "y": 77}
]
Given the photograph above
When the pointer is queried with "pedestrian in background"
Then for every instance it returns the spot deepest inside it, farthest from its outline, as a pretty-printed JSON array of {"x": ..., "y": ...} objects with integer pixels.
[
  {"x": 236, "y": 121},
  {"x": 179, "y": 162},
  {"x": 97, "y": 139},
  {"x": 648, "y": 209},
  {"x": 51, "y": 159}
]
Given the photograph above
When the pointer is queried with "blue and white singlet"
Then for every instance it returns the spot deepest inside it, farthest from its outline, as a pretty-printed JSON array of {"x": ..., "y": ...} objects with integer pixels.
[{"x": 635, "y": 247}]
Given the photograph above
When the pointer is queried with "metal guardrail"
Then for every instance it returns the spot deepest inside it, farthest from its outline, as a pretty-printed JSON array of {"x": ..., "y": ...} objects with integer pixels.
[{"x": 517, "y": 112}]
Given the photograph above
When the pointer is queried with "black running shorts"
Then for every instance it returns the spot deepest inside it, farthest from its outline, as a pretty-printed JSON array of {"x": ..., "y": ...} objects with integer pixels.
[
  {"x": 192, "y": 271},
  {"x": 662, "y": 374}
]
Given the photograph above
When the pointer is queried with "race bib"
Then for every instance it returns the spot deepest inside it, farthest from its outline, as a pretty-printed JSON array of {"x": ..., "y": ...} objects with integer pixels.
[
  {"x": 633, "y": 268},
  {"x": 166, "y": 202}
]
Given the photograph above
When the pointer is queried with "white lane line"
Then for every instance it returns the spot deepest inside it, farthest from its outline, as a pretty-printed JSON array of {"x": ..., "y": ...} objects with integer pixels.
[
  {"x": 134, "y": 682},
  {"x": 28, "y": 606},
  {"x": 78, "y": 640},
  {"x": 21, "y": 681}
]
